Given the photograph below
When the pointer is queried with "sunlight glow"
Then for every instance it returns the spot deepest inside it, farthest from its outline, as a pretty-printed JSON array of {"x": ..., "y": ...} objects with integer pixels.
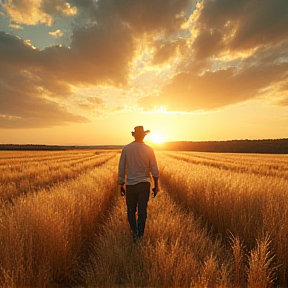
[{"x": 157, "y": 138}]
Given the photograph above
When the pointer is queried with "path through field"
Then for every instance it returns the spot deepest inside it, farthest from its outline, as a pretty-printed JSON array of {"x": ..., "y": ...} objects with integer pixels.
[{"x": 175, "y": 250}]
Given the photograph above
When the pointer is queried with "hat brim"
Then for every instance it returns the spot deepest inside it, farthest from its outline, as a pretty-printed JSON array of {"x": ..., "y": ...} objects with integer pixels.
[{"x": 140, "y": 133}]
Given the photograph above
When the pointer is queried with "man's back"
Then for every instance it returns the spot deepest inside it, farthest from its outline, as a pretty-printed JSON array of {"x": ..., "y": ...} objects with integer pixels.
[{"x": 140, "y": 161}]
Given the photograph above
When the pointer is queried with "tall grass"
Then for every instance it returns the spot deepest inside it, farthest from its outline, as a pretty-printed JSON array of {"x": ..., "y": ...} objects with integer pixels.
[
  {"x": 45, "y": 236},
  {"x": 239, "y": 261},
  {"x": 243, "y": 203},
  {"x": 176, "y": 251},
  {"x": 219, "y": 221},
  {"x": 261, "y": 270},
  {"x": 31, "y": 171},
  {"x": 259, "y": 164}
]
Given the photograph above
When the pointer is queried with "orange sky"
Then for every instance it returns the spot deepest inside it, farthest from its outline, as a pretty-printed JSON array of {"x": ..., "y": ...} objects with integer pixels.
[{"x": 75, "y": 72}]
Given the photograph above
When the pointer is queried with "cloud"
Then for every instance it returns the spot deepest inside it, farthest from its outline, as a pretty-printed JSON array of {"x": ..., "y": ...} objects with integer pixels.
[
  {"x": 92, "y": 103},
  {"x": 98, "y": 54},
  {"x": 23, "y": 107},
  {"x": 14, "y": 51},
  {"x": 221, "y": 53},
  {"x": 33, "y": 12},
  {"x": 103, "y": 49},
  {"x": 22, "y": 97},
  {"x": 214, "y": 89},
  {"x": 103, "y": 58},
  {"x": 54, "y": 7},
  {"x": 167, "y": 50},
  {"x": 26, "y": 12},
  {"x": 16, "y": 26},
  {"x": 50, "y": 73},
  {"x": 56, "y": 33},
  {"x": 238, "y": 25},
  {"x": 237, "y": 51},
  {"x": 146, "y": 15}
]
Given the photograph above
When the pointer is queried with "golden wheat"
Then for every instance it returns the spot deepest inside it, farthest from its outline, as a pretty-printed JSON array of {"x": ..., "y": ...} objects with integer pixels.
[
  {"x": 176, "y": 251},
  {"x": 35, "y": 172},
  {"x": 264, "y": 164},
  {"x": 242, "y": 202},
  {"x": 63, "y": 224},
  {"x": 45, "y": 236}
]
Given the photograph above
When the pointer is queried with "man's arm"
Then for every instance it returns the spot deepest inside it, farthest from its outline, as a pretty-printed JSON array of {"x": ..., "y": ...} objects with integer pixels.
[
  {"x": 153, "y": 165},
  {"x": 121, "y": 173},
  {"x": 155, "y": 173},
  {"x": 121, "y": 168},
  {"x": 155, "y": 182}
]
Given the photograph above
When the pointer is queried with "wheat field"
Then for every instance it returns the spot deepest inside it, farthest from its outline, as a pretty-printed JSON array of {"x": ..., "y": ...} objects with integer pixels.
[{"x": 220, "y": 220}]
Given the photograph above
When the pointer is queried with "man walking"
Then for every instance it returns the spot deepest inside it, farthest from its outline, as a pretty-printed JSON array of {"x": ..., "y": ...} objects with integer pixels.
[{"x": 137, "y": 164}]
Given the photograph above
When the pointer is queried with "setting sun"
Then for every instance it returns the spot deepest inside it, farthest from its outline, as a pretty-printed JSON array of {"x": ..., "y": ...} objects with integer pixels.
[{"x": 157, "y": 138}]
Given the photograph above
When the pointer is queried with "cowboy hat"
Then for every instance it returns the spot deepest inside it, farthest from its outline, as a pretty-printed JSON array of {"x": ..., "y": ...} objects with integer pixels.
[{"x": 139, "y": 130}]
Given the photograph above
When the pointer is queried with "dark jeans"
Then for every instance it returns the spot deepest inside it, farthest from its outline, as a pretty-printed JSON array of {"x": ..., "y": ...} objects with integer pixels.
[{"x": 137, "y": 196}]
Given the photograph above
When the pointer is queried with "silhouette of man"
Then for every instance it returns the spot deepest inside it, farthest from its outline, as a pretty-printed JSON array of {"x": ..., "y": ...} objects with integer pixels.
[{"x": 137, "y": 164}]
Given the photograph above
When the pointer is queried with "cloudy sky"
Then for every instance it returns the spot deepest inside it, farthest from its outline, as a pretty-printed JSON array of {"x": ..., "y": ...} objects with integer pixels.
[{"x": 88, "y": 71}]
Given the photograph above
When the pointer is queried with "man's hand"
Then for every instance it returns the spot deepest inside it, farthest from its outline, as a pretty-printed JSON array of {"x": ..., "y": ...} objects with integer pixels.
[
  {"x": 156, "y": 187},
  {"x": 122, "y": 189},
  {"x": 155, "y": 191}
]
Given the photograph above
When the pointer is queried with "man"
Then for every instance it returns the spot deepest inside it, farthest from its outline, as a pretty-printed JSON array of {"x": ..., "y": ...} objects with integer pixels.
[{"x": 137, "y": 164}]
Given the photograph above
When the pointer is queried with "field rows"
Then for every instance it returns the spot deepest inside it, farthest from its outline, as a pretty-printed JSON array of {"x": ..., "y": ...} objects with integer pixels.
[
  {"x": 219, "y": 221},
  {"x": 248, "y": 205},
  {"x": 40, "y": 171},
  {"x": 266, "y": 165},
  {"x": 22, "y": 157},
  {"x": 45, "y": 236}
]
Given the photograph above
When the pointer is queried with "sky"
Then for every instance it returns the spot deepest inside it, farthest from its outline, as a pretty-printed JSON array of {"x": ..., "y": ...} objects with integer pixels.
[{"x": 86, "y": 72}]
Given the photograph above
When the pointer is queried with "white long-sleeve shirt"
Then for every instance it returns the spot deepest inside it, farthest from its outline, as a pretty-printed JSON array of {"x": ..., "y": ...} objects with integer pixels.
[{"x": 137, "y": 164}]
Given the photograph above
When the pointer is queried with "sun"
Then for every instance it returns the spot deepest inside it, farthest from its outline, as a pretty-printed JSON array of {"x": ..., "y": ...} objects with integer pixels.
[{"x": 157, "y": 138}]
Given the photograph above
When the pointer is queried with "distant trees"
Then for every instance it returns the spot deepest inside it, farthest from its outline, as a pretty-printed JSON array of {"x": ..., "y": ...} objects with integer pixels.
[
  {"x": 268, "y": 146},
  {"x": 271, "y": 146}
]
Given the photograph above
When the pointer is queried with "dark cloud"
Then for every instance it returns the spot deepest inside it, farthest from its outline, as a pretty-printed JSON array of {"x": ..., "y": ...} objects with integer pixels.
[
  {"x": 97, "y": 55},
  {"x": 21, "y": 107},
  {"x": 166, "y": 50},
  {"x": 89, "y": 6},
  {"x": 14, "y": 51},
  {"x": 239, "y": 25},
  {"x": 22, "y": 90},
  {"x": 146, "y": 15},
  {"x": 102, "y": 54}
]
